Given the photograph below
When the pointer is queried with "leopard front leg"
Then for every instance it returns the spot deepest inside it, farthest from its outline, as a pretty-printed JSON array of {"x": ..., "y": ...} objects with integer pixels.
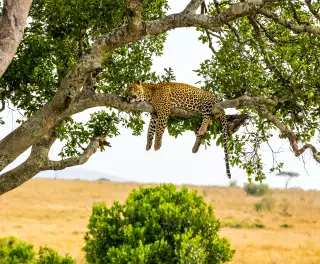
[
  {"x": 162, "y": 118},
  {"x": 151, "y": 130}
]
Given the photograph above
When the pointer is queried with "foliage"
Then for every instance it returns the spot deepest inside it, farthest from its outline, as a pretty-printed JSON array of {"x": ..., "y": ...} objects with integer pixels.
[
  {"x": 231, "y": 222},
  {"x": 257, "y": 57},
  {"x": 286, "y": 225},
  {"x": 59, "y": 33},
  {"x": 15, "y": 251},
  {"x": 256, "y": 189},
  {"x": 266, "y": 203},
  {"x": 233, "y": 183},
  {"x": 156, "y": 225}
]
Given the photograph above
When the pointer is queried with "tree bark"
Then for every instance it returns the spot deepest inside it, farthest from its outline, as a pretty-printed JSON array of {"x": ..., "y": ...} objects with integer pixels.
[{"x": 12, "y": 23}]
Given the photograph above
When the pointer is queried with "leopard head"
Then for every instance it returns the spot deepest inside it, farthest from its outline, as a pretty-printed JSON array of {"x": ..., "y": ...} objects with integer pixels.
[{"x": 135, "y": 93}]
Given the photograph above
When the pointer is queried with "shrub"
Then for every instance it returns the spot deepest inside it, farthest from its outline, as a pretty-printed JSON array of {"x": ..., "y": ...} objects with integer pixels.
[
  {"x": 285, "y": 206},
  {"x": 246, "y": 223},
  {"x": 233, "y": 183},
  {"x": 15, "y": 251},
  {"x": 266, "y": 203},
  {"x": 286, "y": 225},
  {"x": 256, "y": 189},
  {"x": 49, "y": 256},
  {"x": 156, "y": 225}
]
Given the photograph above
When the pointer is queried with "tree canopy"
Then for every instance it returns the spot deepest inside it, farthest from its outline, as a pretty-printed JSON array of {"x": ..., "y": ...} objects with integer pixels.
[{"x": 77, "y": 55}]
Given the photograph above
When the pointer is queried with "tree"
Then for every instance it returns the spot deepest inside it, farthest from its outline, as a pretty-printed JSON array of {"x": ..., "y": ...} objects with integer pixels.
[
  {"x": 78, "y": 55},
  {"x": 289, "y": 174},
  {"x": 156, "y": 225}
]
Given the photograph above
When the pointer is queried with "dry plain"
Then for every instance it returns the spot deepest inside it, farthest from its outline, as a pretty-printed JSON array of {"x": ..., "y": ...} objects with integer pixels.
[{"x": 55, "y": 213}]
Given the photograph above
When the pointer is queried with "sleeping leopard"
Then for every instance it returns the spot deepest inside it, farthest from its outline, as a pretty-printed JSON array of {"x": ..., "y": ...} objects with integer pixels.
[{"x": 167, "y": 95}]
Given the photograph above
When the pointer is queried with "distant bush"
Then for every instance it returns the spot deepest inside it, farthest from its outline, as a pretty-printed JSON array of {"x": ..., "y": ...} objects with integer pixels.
[
  {"x": 286, "y": 225},
  {"x": 49, "y": 256},
  {"x": 103, "y": 179},
  {"x": 256, "y": 189},
  {"x": 15, "y": 251},
  {"x": 234, "y": 223},
  {"x": 285, "y": 207},
  {"x": 266, "y": 204},
  {"x": 233, "y": 183},
  {"x": 156, "y": 225}
]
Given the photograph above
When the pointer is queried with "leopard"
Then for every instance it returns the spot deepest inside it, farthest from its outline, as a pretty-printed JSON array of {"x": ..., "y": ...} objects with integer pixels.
[{"x": 167, "y": 95}]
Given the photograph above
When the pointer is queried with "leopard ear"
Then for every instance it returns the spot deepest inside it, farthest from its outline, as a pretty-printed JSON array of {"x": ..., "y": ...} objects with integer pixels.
[{"x": 138, "y": 82}]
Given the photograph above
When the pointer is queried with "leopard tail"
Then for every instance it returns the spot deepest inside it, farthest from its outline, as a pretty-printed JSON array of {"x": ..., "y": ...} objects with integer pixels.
[{"x": 225, "y": 136}]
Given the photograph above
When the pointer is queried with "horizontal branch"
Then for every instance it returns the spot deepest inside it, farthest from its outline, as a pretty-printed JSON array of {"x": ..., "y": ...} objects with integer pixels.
[
  {"x": 90, "y": 99},
  {"x": 288, "y": 24}
]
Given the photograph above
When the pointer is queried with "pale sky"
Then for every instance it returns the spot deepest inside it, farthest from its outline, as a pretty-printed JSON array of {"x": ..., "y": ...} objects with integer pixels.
[{"x": 175, "y": 162}]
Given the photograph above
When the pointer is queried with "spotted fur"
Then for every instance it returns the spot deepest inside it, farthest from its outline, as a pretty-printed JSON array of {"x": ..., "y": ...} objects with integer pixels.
[{"x": 166, "y": 95}]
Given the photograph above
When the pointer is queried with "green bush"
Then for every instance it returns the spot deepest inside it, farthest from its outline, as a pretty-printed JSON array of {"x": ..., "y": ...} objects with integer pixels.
[
  {"x": 233, "y": 183},
  {"x": 15, "y": 251},
  {"x": 156, "y": 225},
  {"x": 256, "y": 189},
  {"x": 49, "y": 256},
  {"x": 266, "y": 203}
]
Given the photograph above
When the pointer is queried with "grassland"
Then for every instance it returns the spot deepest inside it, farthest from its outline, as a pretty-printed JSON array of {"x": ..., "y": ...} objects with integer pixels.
[{"x": 55, "y": 213}]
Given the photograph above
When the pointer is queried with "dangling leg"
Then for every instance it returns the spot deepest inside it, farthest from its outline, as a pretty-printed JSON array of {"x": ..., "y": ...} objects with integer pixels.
[
  {"x": 151, "y": 130},
  {"x": 197, "y": 144},
  {"x": 162, "y": 118},
  {"x": 204, "y": 125}
]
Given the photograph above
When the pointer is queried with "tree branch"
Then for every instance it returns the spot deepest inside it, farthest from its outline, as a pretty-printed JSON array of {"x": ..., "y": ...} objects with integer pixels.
[
  {"x": 134, "y": 8},
  {"x": 81, "y": 159},
  {"x": 193, "y": 6},
  {"x": 90, "y": 99},
  {"x": 312, "y": 10},
  {"x": 289, "y": 134},
  {"x": 288, "y": 24},
  {"x": 25, "y": 171},
  {"x": 12, "y": 22}
]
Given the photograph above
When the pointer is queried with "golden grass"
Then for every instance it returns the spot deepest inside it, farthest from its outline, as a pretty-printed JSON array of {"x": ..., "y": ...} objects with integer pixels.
[{"x": 55, "y": 213}]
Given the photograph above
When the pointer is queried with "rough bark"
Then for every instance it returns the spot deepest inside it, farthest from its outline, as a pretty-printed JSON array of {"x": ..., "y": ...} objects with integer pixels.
[{"x": 12, "y": 23}]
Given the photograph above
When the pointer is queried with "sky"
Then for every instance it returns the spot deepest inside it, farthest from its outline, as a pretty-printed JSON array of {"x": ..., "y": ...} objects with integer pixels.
[{"x": 175, "y": 162}]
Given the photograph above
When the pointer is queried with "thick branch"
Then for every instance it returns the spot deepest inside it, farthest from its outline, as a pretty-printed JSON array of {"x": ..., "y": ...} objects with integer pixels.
[
  {"x": 134, "y": 8},
  {"x": 288, "y": 24},
  {"x": 38, "y": 161},
  {"x": 25, "y": 171},
  {"x": 90, "y": 100},
  {"x": 12, "y": 22}
]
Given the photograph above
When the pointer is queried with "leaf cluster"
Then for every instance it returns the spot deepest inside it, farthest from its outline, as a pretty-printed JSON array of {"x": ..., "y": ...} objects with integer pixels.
[{"x": 156, "y": 225}]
